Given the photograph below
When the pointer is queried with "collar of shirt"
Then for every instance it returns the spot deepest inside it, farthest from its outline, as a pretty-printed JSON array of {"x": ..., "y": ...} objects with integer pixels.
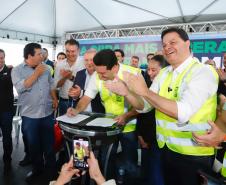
[
  {"x": 181, "y": 67},
  {"x": 87, "y": 74},
  {"x": 25, "y": 64},
  {"x": 2, "y": 68},
  {"x": 66, "y": 64},
  {"x": 75, "y": 62}
]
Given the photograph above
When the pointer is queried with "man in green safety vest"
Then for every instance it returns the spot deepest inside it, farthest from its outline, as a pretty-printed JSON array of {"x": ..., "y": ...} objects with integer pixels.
[{"x": 108, "y": 69}]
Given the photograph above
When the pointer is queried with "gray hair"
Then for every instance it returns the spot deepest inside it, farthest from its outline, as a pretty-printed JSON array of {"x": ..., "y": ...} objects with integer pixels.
[{"x": 91, "y": 50}]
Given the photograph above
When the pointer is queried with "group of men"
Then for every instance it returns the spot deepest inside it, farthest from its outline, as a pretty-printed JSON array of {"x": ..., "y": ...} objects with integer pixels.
[{"x": 183, "y": 95}]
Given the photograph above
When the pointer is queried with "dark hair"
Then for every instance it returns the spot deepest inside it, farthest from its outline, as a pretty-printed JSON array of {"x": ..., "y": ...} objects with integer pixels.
[
  {"x": 29, "y": 49},
  {"x": 45, "y": 49},
  {"x": 182, "y": 33},
  {"x": 106, "y": 58},
  {"x": 221, "y": 88},
  {"x": 161, "y": 60},
  {"x": 61, "y": 53},
  {"x": 150, "y": 54},
  {"x": 72, "y": 42},
  {"x": 120, "y": 51},
  {"x": 136, "y": 57},
  {"x": 78, "y": 143},
  {"x": 2, "y": 51}
]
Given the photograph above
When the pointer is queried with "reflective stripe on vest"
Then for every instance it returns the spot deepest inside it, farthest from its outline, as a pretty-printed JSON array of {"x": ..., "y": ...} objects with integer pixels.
[
  {"x": 223, "y": 169},
  {"x": 187, "y": 127},
  {"x": 179, "y": 138},
  {"x": 113, "y": 103},
  {"x": 50, "y": 69}
]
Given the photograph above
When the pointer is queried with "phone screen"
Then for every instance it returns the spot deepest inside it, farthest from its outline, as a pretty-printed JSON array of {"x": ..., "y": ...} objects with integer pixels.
[{"x": 80, "y": 152}]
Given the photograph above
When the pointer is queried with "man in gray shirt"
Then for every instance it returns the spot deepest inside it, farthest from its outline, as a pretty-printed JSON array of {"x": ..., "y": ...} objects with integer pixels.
[{"x": 36, "y": 100}]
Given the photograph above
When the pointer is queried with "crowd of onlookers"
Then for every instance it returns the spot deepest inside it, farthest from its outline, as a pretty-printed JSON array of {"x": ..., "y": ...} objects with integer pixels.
[{"x": 71, "y": 85}]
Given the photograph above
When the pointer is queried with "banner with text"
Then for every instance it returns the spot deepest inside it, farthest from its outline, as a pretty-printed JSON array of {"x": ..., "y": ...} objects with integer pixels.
[{"x": 204, "y": 46}]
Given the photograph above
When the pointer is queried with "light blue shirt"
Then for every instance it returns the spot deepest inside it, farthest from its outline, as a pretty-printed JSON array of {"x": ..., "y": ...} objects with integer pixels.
[
  {"x": 36, "y": 101},
  {"x": 224, "y": 106}
]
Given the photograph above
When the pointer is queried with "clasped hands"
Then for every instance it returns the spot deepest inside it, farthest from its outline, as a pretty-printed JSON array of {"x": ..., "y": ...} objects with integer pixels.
[{"x": 130, "y": 83}]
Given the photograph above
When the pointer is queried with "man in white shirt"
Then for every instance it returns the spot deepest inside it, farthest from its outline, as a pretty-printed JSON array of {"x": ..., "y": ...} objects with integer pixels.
[
  {"x": 65, "y": 73},
  {"x": 184, "y": 96},
  {"x": 108, "y": 69}
]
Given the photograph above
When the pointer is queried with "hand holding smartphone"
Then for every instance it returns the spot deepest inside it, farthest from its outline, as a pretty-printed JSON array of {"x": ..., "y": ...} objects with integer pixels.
[{"x": 81, "y": 150}]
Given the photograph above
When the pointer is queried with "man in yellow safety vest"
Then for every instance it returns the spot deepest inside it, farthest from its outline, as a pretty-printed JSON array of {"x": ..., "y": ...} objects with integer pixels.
[
  {"x": 184, "y": 96},
  {"x": 108, "y": 69}
]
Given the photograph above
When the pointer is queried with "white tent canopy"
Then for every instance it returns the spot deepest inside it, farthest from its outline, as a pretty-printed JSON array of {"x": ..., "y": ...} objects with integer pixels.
[{"x": 53, "y": 18}]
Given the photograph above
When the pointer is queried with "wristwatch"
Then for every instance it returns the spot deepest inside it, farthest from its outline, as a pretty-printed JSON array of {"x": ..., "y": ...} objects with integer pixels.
[{"x": 72, "y": 78}]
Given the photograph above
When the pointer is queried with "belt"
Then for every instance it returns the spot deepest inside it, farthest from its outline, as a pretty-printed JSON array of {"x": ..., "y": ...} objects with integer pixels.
[{"x": 63, "y": 99}]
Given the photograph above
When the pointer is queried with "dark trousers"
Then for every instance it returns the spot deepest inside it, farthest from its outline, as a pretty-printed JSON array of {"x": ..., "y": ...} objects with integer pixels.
[
  {"x": 127, "y": 159},
  {"x": 26, "y": 147},
  {"x": 182, "y": 169},
  {"x": 129, "y": 152},
  {"x": 63, "y": 106},
  {"x": 6, "y": 119},
  {"x": 39, "y": 133},
  {"x": 151, "y": 166}
]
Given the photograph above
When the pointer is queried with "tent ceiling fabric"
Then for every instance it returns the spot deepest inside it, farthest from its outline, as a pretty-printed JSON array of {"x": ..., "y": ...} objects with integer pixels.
[{"x": 55, "y": 17}]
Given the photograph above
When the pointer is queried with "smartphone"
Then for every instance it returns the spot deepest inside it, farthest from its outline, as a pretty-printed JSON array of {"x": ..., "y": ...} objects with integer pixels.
[{"x": 81, "y": 149}]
